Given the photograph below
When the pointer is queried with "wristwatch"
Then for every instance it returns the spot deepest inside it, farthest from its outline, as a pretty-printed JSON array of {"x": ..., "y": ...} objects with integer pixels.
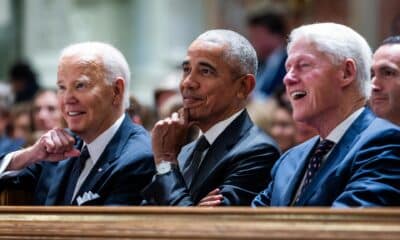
[{"x": 164, "y": 167}]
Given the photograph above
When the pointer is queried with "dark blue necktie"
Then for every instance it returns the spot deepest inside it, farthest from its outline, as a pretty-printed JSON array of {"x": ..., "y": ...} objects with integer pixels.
[
  {"x": 315, "y": 163},
  {"x": 194, "y": 162},
  {"x": 77, "y": 168}
]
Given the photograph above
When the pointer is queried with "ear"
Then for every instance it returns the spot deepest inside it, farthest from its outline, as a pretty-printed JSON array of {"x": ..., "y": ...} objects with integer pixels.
[
  {"x": 349, "y": 72},
  {"x": 246, "y": 86},
  {"x": 118, "y": 91}
]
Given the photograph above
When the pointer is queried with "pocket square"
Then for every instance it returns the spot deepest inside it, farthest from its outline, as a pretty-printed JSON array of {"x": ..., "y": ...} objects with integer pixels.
[{"x": 87, "y": 196}]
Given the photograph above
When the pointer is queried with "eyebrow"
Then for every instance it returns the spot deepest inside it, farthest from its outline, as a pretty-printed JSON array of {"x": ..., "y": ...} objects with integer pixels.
[{"x": 206, "y": 64}]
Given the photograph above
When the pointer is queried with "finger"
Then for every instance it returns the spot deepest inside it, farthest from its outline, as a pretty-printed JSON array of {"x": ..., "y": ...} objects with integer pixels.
[
  {"x": 175, "y": 116},
  {"x": 67, "y": 139},
  {"x": 210, "y": 203},
  {"x": 185, "y": 115},
  {"x": 211, "y": 198},
  {"x": 58, "y": 147},
  {"x": 214, "y": 192},
  {"x": 64, "y": 143},
  {"x": 47, "y": 143},
  {"x": 72, "y": 153}
]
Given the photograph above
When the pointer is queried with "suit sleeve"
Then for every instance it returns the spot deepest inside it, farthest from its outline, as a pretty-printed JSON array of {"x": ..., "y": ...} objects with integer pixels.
[
  {"x": 246, "y": 175},
  {"x": 129, "y": 182},
  {"x": 374, "y": 178}
]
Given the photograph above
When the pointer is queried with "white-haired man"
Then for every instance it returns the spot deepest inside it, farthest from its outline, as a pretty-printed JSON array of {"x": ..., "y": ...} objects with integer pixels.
[
  {"x": 355, "y": 160},
  {"x": 231, "y": 160},
  {"x": 109, "y": 159}
]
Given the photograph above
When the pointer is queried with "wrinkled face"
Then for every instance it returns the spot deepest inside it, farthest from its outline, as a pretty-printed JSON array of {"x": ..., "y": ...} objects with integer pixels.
[
  {"x": 385, "y": 97},
  {"x": 85, "y": 97},
  {"x": 208, "y": 87},
  {"x": 283, "y": 129},
  {"x": 311, "y": 83},
  {"x": 46, "y": 114}
]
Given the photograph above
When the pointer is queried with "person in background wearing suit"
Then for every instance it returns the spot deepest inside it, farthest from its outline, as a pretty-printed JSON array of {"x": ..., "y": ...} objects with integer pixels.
[
  {"x": 109, "y": 160},
  {"x": 385, "y": 97},
  {"x": 355, "y": 160},
  {"x": 231, "y": 160}
]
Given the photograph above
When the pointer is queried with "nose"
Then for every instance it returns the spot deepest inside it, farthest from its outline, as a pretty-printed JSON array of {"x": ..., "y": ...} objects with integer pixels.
[
  {"x": 376, "y": 84},
  {"x": 290, "y": 78},
  {"x": 68, "y": 96},
  {"x": 189, "y": 81}
]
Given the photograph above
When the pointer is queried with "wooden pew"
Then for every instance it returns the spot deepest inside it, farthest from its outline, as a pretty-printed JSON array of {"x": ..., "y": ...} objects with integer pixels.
[{"x": 197, "y": 223}]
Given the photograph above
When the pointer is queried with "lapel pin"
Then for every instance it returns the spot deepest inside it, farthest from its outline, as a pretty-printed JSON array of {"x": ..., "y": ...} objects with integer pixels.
[{"x": 100, "y": 169}]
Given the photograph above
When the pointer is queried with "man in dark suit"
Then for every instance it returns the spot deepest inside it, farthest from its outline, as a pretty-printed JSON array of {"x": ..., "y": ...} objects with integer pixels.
[
  {"x": 110, "y": 160},
  {"x": 231, "y": 160},
  {"x": 355, "y": 160},
  {"x": 386, "y": 80}
]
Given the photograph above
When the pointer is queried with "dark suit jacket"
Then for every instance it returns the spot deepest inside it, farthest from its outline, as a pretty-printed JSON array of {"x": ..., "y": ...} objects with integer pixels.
[
  {"x": 363, "y": 169},
  {"x": 238, "y": 163},
  {"x": 123, "y": 169}
]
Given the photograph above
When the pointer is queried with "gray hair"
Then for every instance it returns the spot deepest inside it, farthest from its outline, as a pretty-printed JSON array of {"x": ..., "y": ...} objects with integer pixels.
[
  {"x": 239, "y": 50},
  {"x": 339, "y": 42},
  {"x": 114, "y": 62}
]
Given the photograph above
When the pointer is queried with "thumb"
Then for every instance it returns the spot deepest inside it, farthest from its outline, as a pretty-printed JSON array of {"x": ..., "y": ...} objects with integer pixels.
[{"x": 72, "y": 153}]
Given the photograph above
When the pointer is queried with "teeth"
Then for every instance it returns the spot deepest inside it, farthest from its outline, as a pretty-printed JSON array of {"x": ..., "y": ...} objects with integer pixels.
[
  {"x": 73, "y": 113},
  {"x": 298, "y": 94}
]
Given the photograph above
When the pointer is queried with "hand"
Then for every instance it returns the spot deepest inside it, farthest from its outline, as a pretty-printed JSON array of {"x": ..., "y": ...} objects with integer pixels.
[
  {"x": 55, "y": 145},
  {"x": 213, "y": 199},
  {"x": 169, "y": 135}
]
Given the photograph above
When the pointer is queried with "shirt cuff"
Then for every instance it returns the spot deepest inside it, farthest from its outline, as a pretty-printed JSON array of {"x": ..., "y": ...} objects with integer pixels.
[{"x": 4, "y": 164}]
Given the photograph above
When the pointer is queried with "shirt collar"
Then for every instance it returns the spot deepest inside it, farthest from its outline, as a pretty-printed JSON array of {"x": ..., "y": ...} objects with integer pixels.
[
  {"x": 218, "y": 128},
  {"x": 97, "y": 146},
  {"x": 337, "y": 133}
]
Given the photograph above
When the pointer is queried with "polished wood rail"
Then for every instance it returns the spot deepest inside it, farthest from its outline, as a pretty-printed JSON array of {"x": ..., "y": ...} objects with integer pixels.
[{"x": 197, "y": 223}]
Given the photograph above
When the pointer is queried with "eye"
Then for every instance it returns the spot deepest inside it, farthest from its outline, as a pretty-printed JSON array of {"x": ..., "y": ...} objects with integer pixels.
[
  {"x": 80, "y": 85},
  {"x": 185, "y": 69},
  {"x": 60, "y": 88},
  {"x": 205, "y": 71},
  {"x": 389, "y": 73}
]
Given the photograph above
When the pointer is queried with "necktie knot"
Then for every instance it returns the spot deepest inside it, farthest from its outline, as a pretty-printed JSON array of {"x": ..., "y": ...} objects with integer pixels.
[
  {"x": 83, "y": 157},
  {"x": 202, "y": 144},
  {"x": 323, "y": 147}
]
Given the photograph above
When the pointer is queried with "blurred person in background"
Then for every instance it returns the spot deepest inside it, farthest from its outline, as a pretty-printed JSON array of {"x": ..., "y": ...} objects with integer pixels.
[
  {"x": 46, "y": 113},
  {"x": 385, "y": 97},
  {"x": 7, "y": 143},
  {"x": 23, "y": 80},
  {"x": 21, "y": 124},
  {"x": 267, "y": 33}
]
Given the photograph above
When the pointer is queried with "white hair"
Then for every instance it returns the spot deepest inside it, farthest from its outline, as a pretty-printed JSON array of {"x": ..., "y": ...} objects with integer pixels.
[
  {"x": 339, "y": 42},
  {"x": 240, "y": 51},
  {"x": 114, "y": 62}
]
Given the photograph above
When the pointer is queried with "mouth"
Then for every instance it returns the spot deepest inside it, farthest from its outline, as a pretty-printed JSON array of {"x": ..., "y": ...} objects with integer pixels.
[
  {"x": 296, "y": 95},
  {"x": 74, "y": 113},
  {"x": 192, "y": 101}
]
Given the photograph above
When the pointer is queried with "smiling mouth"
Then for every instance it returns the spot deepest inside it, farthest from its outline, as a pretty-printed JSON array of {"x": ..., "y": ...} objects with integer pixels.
[
  {"x": 73, "y": 114},
  {"x": 296, "y": 95}
]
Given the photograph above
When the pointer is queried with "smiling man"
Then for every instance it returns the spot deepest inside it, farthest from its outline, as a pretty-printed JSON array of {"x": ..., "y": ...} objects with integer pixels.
[
  {"x": 385, "y": 98},
  {"x": 355, "y": 160},
  {"x": 109, "y": 159},
  {"x": 230, "y": 162}
]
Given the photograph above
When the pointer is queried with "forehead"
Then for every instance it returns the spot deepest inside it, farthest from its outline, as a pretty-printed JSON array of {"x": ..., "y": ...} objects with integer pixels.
[
  {"x": 390, "y": 53},
  {"x": 74, "y": 66},
  {"x": 206, "y": 50},
  {"x": 303, "y": 49}
]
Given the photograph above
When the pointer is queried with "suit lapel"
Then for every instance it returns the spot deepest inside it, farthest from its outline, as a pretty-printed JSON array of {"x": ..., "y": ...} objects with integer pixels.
[
  {"x": 300, "y": 162},
  {"x": 58, "y": 186},
  {"x": 338, "y": 153},
  {"x": 218, "y": 150},
  {"x": 109, "y": 155}
]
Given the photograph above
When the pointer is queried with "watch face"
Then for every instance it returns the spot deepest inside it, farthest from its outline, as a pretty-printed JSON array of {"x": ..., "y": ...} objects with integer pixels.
[{"x": 163, "y": 167}]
